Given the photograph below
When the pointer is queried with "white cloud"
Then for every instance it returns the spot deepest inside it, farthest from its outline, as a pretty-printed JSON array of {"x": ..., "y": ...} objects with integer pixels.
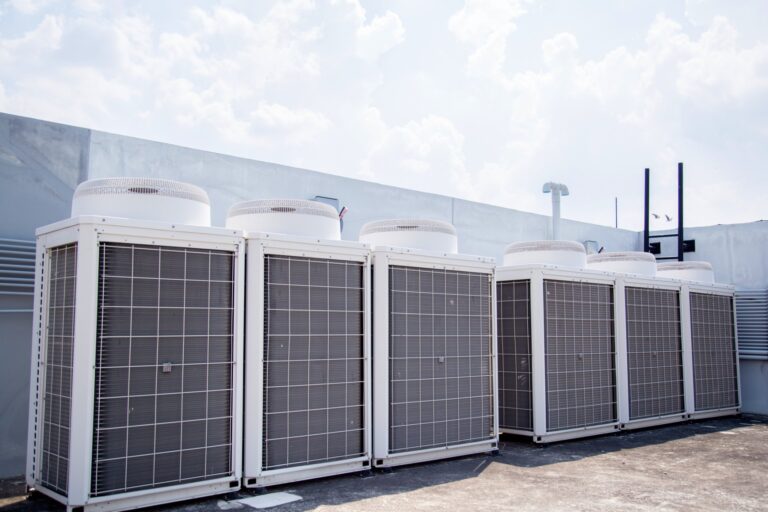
[
  {"x": 485, "y": 25},
  {"x": 301, "y": 125},
  {"x": 29, "y": 6},
  {"x": 380, "y": 35}
]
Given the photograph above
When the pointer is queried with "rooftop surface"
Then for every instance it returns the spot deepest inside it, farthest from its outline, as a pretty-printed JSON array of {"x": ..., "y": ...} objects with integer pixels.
[{"x": 718, "y": 464}]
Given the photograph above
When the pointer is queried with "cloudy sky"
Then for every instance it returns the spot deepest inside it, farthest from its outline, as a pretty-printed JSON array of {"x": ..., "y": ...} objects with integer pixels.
[{"x": 480, "y": 99}]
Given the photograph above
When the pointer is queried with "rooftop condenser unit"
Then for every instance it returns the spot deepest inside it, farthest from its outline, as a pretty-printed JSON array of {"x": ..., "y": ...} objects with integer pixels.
[
  {"x": 557, "y": 343},
  {"x": 434, "y": 358},
  {"x": 709, "y": 324},
  {"x": 307, "y": 408},
  {"x": 134, "y": 396},
  {"x": 652, "y": 373}
]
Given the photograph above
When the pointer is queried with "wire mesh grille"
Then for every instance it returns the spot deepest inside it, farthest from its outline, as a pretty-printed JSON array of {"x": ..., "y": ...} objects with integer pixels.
[
  {"x": 654, "y": 353},
  {"x": 440, "y": 362},
  {"x": 59, "y": 342},
  {"x": 314, "y": 402},
  {"x": 580, "y": 354},
  {"x": 714, "y": 351},
  {"x": 513, "y": 305},
  {"x": 164, "y": 357}
]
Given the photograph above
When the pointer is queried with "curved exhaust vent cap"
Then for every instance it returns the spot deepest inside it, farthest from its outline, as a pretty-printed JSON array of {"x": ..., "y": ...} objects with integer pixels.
[
  {"x": 641, "y": 263},
  {"x": 297, "y": 217},
  {"x": 424, "y": 234},
  {"x": 143, "y": 198},
  {"x": 563, "y": 253},
  {"x": 700, "y": 271}
]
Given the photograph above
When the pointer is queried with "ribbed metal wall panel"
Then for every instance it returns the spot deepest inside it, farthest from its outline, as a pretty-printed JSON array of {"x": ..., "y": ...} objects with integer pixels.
[
  {"x": 440, "y": 358},
  {"x": 752, "y": 323},
  {"x": 313, "y": 356},
  {"x": 714, "y": 351},
  {"x": 59, "y": 343},
  {"x": 164, "y": 367},
  {"x": 513, "y": 308},
  {"x": 17, "y": 267},
  {"x": 654, "y": 352},
  {"x": 580, "y": 354}
]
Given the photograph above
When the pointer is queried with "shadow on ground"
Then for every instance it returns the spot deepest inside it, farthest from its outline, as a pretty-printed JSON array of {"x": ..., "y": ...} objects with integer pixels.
[{"x": 514, "y": 451}]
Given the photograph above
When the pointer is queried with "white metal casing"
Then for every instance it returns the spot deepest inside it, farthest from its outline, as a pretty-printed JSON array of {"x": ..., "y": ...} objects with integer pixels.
[
  {"x": 623, "y": 281},
  {"x": 259, "y": 245},
  {"x": 536, "y": 275},
  {"x": 561, "y": 253},
  {"x": 383, "y": 257},
  {"x": 88, "y": 232},
  {"x": 633, "y": 262}
]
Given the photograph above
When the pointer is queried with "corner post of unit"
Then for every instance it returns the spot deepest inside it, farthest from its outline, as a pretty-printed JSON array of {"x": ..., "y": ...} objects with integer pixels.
[
  {"x": 253, "y": 407},
  {"x": 381, "y": 342},
  {"x": 538, "y": 356},
  {"x": 84, "y": 361},
  {"x": 622, "y": 374},
  {"x": 685, "y": 332}
]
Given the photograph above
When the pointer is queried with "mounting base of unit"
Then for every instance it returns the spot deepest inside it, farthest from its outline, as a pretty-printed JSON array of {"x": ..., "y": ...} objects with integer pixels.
[
  {"x": 296, "y": 474},
  {"x": 715, "y": 414},
  {"x": 552, "y": 437},
  {"x": 141, "y": 499},
  {"x": 402, "y": 459},
  {"x": 654, "y": 422}
]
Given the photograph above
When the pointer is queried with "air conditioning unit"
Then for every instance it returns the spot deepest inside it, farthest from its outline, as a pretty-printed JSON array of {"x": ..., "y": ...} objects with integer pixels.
[
  {"x": 557, "y": 343},
  {"x": 652, "y": 373},
  {"x": 307, "y": 408},
  {"x": 136, "y": 361},
  {"x": 434, "y": 357},
  {"x": 709, "y": 324}
]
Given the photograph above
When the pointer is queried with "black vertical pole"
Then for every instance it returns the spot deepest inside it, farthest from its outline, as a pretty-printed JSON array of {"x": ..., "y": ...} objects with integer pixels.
[
  {"x": 646, "y": 220},
  {"x": 680, "y": 236}
]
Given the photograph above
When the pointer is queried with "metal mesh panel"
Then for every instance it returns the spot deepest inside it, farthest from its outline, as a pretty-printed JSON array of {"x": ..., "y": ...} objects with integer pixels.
[
  {"x": 580, "y": 354},
  {"x": 59, "y": 342},
  {"x": 654, "y": 353},
  {"x": 314, "y": 400},
  {"x": 714, "y": 351},
  {"x": 513, "y": 308},
  {"x": 440, "y": 358},
  {"x": 164, "y": 379}
]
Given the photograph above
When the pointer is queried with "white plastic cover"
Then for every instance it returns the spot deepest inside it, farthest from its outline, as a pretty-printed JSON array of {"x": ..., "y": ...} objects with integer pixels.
[
  {"x": 425, "y": 234},
  {"x": 563, "y": 253},
  {"x": 143, "y": 198},
  {"x": 632, "y": 262},
  {"x": 298, "y": 217},
  {"x": 700, "y": 271}
]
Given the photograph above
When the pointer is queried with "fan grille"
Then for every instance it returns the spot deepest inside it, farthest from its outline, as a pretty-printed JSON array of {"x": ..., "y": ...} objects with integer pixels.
[
  {"x": 580, "y": 354},
  {"x": 714, "y": 351},
  {"x": 513, "y": 308},
  {"x": 654, "y": 352},
  {"x": 313, "y": 356},
  {"x": 59, "y": 343},
  {"x": 441, "y": 386},
  {"x": 164, "y": 367}
]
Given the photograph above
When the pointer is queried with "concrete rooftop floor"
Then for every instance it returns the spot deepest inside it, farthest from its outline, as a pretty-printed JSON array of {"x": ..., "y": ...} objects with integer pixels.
[{"x": 718, "y": 464}]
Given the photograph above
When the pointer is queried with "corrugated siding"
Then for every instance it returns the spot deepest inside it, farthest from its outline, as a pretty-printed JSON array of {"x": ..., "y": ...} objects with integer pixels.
[{"x": 752, "y": 323}]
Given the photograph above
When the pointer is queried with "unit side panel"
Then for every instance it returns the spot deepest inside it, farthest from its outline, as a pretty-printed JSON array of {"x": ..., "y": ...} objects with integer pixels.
[
  {"x": 164, "y": 367},
  {"x": 713, "y": 343},
  {"x": 314, "y": 396},
  {"x": 440, "y": 358},
  {"x": 59, "y": 344},
  {"x": 514, "y": 354},
  {"x": 580, "y": 354}
]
